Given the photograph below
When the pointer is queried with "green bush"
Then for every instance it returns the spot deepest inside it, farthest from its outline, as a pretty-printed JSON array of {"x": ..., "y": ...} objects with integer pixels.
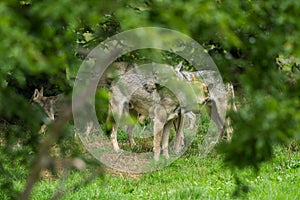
[{"x": 255, "y": 44}]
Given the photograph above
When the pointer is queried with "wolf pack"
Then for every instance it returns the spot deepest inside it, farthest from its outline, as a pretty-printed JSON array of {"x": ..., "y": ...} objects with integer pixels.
[{"x": 166, "y": 95}]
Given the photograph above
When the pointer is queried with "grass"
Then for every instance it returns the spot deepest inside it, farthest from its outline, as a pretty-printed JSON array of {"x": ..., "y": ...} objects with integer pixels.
[{"x": 190, "y": 177}]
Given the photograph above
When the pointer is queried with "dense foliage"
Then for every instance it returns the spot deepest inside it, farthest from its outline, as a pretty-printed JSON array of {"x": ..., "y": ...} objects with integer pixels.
[{"x": 255, "y": 44}]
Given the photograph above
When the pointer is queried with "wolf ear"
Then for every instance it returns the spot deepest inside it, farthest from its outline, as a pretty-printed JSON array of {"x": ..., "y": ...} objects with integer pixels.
[
  {"x": 35, "y": 94},
  {"x": 38, "y": 93},
  {"x": 179, "y": 66},
  {"x": 41, "y": 93}
]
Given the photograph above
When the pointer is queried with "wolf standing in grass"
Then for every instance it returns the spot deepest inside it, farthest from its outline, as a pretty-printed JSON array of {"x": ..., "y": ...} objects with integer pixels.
[
  {"x": 162, "y": 96},
  {"x": 52, "y": 105},
  {"x": 137, "y": 92}
]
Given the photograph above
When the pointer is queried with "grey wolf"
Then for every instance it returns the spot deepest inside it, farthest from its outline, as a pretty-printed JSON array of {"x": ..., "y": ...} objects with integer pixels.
[
  {"x": 52, "y": 105},
  {"x": 149, "y": 98}
]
